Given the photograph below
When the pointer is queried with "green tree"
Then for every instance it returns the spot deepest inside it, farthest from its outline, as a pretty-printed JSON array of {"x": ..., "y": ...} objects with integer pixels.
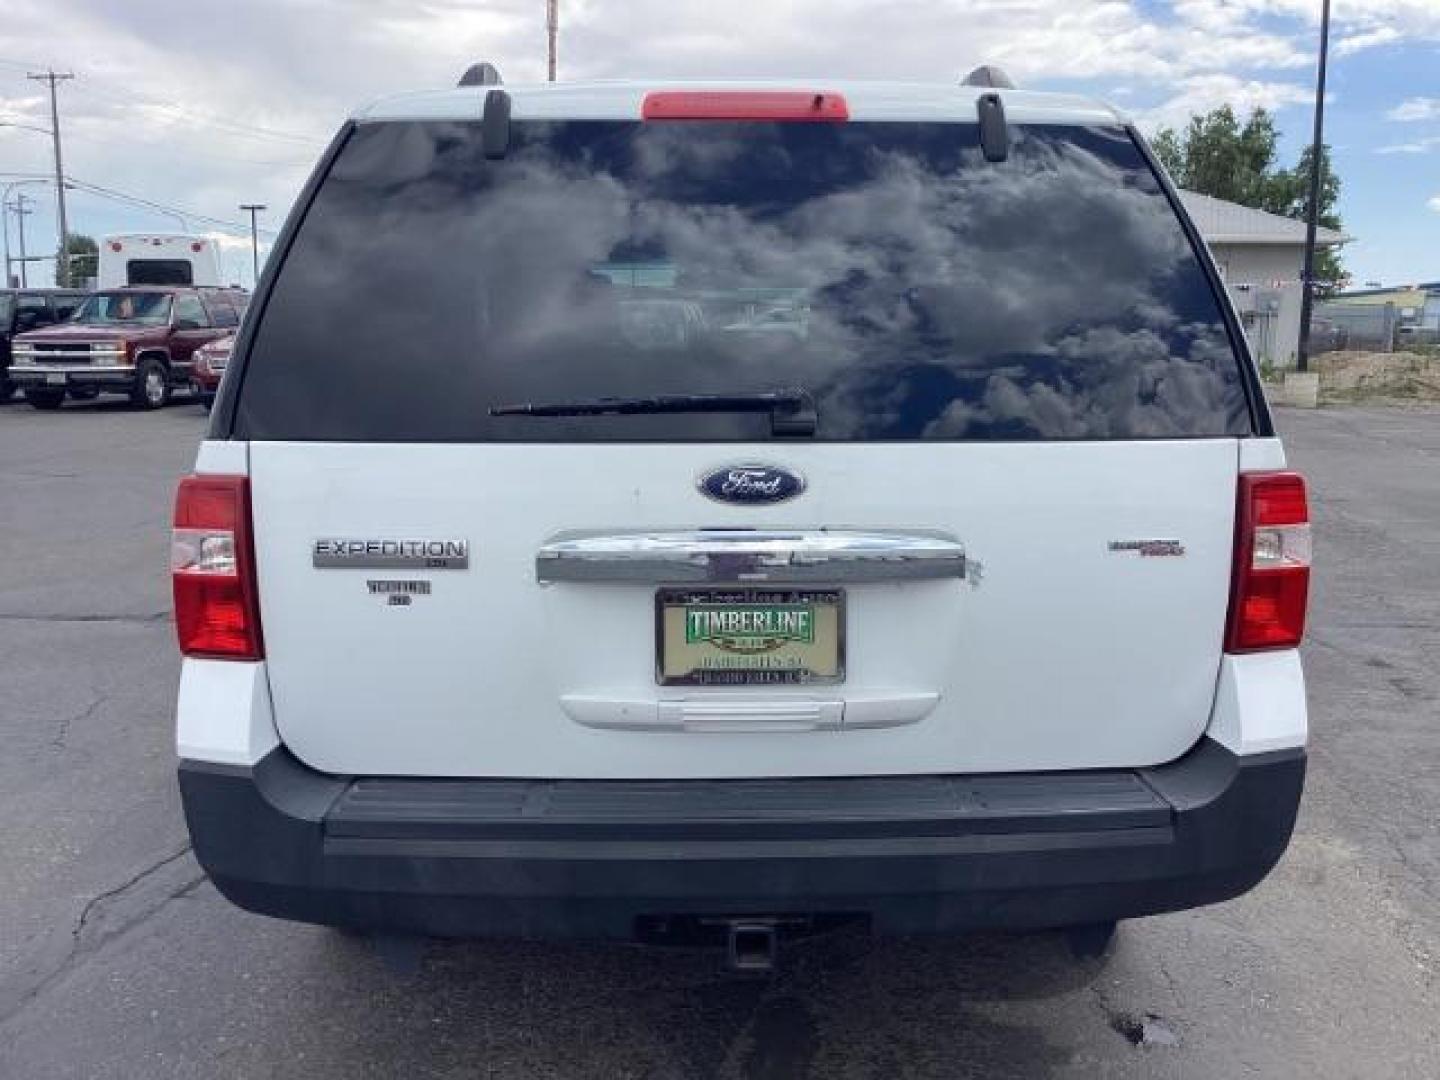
[
  {"x": 1289, "y": 195},
  {"x": 82, "y": 260},
  {"x": 1216, "y": 155}
]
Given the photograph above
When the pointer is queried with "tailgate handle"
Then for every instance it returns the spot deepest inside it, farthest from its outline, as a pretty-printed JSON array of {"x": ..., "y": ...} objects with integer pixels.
[
  {"x": 819, "y": 555},
  {"x": 728, "y": 714}
]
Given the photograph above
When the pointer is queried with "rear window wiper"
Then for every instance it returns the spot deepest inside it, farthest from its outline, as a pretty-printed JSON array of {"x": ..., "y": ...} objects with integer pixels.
[{"x": 792, "y": 412}]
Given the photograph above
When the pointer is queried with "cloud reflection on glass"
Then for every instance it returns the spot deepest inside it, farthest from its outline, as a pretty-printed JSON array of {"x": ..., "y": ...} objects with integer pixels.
[{"x": 915, "y": 289}]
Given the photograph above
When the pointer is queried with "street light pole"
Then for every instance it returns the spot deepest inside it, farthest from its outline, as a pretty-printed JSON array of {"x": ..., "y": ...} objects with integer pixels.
[
  {"x": 20, "y": 214},
  {"x": 5, "y": 215},
  {"x": 1312, "y": 212},
  {"x": 62, "y": 261},
  {"x": 253, "y": 209}
]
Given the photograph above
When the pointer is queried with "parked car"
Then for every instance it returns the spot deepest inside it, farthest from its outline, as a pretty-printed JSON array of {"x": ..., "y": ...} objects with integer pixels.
[
  {"x": 29, "y": 309},
  {"x": 210, "y": 361},
  {"x": 977, "y": 605},
  {"x": 139, "y": 342}
]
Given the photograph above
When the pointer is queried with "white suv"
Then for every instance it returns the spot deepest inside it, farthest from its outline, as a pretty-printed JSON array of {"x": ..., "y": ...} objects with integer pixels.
[{"x": 971, "y": 600}]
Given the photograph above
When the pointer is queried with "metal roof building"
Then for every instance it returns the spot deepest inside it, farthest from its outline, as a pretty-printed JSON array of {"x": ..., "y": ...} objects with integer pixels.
[{"x": 1228, "y": 223}]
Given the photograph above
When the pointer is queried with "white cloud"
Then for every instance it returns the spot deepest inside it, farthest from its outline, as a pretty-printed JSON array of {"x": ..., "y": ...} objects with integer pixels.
[
  {"x": 1366, "y": 39},
  {"x": 1434, "y": 204},
  {"x": 204, "y": 106},
  {"x": 1417, "y": 108},
  {"x": 1201, "y": 93},
  {"x": 1418, "y": 146}
]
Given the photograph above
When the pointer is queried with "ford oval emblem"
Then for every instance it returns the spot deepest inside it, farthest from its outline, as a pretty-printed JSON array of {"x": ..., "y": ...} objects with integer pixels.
[{"x": 751, "y": 484}]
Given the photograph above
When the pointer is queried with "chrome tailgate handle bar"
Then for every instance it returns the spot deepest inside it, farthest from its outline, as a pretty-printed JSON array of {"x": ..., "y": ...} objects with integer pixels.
[{"x": 721, "y": 555}]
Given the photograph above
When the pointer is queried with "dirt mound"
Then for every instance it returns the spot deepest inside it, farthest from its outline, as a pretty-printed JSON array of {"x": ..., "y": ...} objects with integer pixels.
[{"x": 1378, "y": 378}]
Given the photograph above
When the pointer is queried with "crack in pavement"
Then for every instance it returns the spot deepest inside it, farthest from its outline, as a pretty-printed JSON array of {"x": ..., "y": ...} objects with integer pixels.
[
  {"x": 134, "y": 880},
  {"x": 62, "y": 730},
  {"x": 62, "y": 950}
]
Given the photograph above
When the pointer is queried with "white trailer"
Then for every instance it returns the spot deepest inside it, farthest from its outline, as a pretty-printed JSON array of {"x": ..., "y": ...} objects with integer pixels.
[{"x": 158, "y": 259}]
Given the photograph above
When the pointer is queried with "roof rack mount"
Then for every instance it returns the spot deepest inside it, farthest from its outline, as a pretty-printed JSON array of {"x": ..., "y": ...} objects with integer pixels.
[
  {"x": 994, "y": 132},
  {"x": 495, "y": 125}
]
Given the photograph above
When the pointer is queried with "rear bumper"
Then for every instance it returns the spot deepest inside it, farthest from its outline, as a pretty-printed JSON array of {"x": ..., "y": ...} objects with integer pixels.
[{"x": 590, "y": 858}]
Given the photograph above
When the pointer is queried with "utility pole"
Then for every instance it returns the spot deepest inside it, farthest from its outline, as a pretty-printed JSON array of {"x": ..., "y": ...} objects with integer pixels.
[
  {"x": 552, "y": 31},
  {"x": 20, "y": 214},
  {"x": 254, "y": 208},
  {"x": 1312, "y": 213},
  {"x": 62, "y": 258}
]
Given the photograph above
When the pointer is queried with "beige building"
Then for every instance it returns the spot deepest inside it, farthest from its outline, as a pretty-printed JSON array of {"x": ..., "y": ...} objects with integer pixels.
[{"x": 1262, "y": 257}]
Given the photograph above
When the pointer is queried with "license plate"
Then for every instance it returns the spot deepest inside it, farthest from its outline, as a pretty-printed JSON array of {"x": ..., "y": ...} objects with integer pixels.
[
  {"x": 749, "y": 637},
  {"x": 54, "y": 380}
]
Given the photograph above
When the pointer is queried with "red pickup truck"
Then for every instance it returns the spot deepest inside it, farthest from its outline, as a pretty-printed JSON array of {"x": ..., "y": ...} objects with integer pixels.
[{"x": 137, "y": 341}]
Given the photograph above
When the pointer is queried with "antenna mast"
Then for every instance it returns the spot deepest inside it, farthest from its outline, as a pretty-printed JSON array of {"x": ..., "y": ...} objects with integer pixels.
[{"x": 552, "y": 30}]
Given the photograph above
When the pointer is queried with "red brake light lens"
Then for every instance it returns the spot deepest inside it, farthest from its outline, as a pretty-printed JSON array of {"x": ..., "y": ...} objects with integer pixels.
[
  {"x": 212, "y": 569},
  {"x": 745, "y": 105},
  {"x": 1270, "y": 593}
]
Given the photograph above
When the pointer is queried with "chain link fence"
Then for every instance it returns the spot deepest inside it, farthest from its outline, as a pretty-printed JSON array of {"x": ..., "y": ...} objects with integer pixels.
[{"x": 1362, "y": 327}]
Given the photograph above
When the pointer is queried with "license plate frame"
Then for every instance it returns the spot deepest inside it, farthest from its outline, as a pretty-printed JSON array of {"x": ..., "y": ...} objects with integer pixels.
[
  {"x": 683, "y": 597},
  {"x": 55, "y": 378}
]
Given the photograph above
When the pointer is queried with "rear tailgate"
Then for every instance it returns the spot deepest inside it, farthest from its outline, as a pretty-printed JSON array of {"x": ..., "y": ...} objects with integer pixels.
[
  {"x": 1065, "y": 646},
  {"x": 1026, "y": 361}
]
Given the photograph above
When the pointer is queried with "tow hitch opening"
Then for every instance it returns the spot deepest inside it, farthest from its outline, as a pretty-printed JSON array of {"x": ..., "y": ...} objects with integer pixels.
[{"x": 751, "y": 948}]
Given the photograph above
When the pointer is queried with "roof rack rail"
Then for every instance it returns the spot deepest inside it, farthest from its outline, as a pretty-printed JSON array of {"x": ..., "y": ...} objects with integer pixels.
[
  {"x": 988, "y": 75},
  {"x": 481, "y": 74}
]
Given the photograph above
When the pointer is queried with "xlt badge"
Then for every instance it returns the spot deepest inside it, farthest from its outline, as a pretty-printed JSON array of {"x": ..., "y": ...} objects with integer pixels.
[{"x": 377, "y": 554}]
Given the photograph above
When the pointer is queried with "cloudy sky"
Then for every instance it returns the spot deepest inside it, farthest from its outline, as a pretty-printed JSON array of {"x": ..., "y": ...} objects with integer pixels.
[{"x": 196, "y": 106}]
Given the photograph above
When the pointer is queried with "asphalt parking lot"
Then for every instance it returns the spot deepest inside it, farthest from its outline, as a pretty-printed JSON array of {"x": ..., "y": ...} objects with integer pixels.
[{"x": 117, "y": 959}]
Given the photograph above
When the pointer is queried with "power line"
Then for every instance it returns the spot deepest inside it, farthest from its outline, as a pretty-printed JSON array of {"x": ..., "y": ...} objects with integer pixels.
[
  {"x": 135, "y": 200},
  {"x": 73, "y": 182},
  {"x": 112, "y": 90},
  {"x": 176, "y": 151},
  {"x": 26, "y": 64},
  {"x": 237, "y": 127}
]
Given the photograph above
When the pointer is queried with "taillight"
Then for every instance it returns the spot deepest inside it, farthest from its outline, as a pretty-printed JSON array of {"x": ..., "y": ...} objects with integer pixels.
[
  {"x": 212, "y": 568},
  {"x": 745, "y": 105},
  {"x": 1272, "y": 563}
]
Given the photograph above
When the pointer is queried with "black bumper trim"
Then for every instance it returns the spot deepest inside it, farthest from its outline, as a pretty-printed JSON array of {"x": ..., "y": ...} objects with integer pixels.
[{"x": 589, "y": 858}]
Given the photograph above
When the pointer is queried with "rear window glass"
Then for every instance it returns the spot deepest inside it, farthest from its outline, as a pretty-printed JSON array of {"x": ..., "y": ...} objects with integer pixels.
[
  {"x": 145, "y": 308},
  {"x": 159, "y": 272},
  {"x": 913, "y": 289}
]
